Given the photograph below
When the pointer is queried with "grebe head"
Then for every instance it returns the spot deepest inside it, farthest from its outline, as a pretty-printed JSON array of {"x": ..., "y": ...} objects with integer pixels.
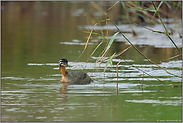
[{"x": 63, "y": 62}]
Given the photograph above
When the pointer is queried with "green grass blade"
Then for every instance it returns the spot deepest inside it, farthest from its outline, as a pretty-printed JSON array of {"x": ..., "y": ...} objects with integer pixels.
[
  {"x": 95, "y": 33},
  {"x": 169, "y": 6},
  {"x": 101, "y": 31},
  {"x": 146, "y": 9},
  {"x": 159, "y": 5},
  {"x": 98, "y": 58},
  {"x": 103, "y": 37},
  {"x": 123, "y": 4},
  {"x": 96, "y": 48},
  {"x": 110, "y": 42},
  {"x": 113, "y": 5},
  {"x": 109, "y": 61}
]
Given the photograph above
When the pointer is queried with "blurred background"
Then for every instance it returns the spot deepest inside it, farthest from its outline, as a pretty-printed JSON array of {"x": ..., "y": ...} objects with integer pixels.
[{"x": 35, "y": 35}]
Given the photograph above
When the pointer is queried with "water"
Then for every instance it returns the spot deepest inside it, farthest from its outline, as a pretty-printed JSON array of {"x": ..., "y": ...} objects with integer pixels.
[{"x": 30, "y": 88}]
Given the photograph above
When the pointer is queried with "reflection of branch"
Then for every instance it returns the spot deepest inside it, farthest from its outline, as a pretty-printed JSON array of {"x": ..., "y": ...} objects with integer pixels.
[{"x": 117, "y": 71}]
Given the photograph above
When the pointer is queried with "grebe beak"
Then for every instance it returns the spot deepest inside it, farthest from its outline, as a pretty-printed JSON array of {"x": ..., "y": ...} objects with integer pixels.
[{"x": 66, "y": 65}]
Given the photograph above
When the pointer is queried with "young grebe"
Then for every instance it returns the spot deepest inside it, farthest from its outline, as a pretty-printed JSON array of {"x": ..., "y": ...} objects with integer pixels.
[{"x": 79, "y": 78}]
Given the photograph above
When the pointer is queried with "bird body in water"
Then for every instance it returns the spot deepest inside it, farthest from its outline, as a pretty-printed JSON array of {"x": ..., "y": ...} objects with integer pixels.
[{"x": 78, "y": 77}]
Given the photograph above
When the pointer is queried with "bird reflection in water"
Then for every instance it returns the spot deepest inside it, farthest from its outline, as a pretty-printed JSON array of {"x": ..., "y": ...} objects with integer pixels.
[
  {"x": 63, "y": 92},
  {"x": 63, "y": 89}
]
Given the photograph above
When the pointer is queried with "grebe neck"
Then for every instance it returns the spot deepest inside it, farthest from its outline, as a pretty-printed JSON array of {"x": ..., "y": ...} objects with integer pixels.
[{"x": 63, "y": 70}]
